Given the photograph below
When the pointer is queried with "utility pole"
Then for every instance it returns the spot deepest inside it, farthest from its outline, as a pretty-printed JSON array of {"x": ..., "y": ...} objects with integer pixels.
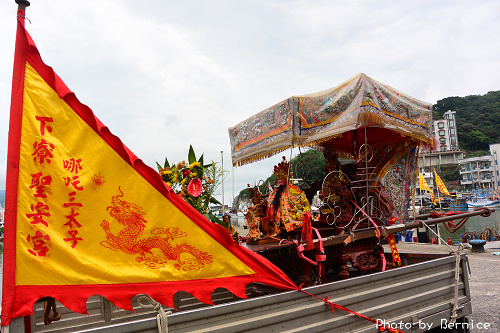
[{"x": 222, "y": 183}]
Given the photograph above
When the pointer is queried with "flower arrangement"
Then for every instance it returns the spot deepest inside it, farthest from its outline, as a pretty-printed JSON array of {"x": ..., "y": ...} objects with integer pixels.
[{"x": 194, "y": 181}]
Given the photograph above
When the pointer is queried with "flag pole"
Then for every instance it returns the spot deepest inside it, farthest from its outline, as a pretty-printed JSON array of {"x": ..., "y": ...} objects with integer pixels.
[
  {"x": 222, "y": 166},
  {"x": 22, "y": 4}
]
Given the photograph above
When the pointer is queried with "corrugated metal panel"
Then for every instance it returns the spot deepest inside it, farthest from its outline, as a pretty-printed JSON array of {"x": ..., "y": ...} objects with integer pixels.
[
  {"x": 416, "y": 295},
  {"x": 101, "y": 313}
]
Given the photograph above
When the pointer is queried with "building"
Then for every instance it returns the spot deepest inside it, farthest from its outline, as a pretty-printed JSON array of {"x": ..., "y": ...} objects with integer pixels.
[
  {"x": 445, "y": 131},
  {"x": 481, "y": 171},
  {"x": 495, "y": 160},
  {"x": 476, "y": 172},
  {"x": 447, "y": 151}
]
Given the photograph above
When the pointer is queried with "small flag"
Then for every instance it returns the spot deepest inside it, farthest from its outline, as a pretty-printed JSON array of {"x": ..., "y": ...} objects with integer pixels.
[
  {"x": 440, "y": 185},
  {"x": 424, "y": 186}
]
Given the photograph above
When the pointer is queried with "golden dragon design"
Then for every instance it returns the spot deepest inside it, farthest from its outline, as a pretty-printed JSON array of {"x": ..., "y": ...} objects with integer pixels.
[{"x": 154, "y": 251}]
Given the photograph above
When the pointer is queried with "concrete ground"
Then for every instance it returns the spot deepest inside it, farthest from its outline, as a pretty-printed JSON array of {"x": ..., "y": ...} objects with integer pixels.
[{"x": 484, "y": 280}]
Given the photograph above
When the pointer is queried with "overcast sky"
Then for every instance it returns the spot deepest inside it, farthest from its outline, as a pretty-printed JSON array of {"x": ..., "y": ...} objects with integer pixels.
[{"x": 166, "y": 74}]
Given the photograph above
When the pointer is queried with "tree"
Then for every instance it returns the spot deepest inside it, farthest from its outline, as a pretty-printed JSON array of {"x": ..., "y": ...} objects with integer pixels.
[
  {"x": 450, "y": 173},
  {"x": 477, "y": 140},
  {"x": 309, "y": 166}
]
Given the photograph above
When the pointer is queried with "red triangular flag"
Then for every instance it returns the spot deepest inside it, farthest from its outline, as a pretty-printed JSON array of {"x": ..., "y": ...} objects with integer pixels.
[{"x": 85, "y": 216}]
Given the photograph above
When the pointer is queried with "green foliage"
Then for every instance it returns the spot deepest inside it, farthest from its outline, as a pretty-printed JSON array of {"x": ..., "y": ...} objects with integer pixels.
[
  {"x": 449, "y": 172},
  {"x": 477, "y": 140},
  {"x": 477, "y": 116},
  {"x": 478, "y": 153},
  {"x": 309, "y": 166}
]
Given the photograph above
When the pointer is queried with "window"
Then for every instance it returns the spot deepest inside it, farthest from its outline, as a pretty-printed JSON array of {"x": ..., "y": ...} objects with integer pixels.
[
  {"x": 441, "y": 133},
  {"x": 441, "y": 125},
  {"x": 452, "y": 131},
  {"x": 442, "y": 141}
]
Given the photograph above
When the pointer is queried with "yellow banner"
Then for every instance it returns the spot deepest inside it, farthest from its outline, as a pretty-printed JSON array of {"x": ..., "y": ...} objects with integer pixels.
[
  {"x": 440, "y": 185},
  {"x": 424, "y": 186}
]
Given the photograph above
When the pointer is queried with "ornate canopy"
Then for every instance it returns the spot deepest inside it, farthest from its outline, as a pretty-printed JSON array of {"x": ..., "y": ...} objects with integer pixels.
[{"x": 360, "y": 110}]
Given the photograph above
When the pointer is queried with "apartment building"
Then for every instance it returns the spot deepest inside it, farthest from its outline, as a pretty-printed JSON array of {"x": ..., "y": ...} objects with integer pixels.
[
  {"x": 447, "y": 151},
  {"x": 445, "y": 131},
  {"x": 495, "y": 160},
  {"x": 481, "y": 171}
]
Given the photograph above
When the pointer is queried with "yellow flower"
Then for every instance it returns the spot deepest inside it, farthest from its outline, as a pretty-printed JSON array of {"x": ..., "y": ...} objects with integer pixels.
[
  {"x": 176, "y": 177},
  {"x": 169, "y": 184},
  {"x": 167, "y": 172},
  {"x": 183, "y": 181},
  {"x": 194, "y": 164},
  {"x": 192, "y": 174}
]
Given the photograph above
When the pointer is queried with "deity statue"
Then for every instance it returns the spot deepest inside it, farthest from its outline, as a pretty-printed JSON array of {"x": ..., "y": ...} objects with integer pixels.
[
  {"x": 287, "y": 203},
  {"x": 256, "y": 217}
]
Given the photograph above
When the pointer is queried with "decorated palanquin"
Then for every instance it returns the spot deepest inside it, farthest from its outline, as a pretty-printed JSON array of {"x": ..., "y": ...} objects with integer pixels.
[{"x": 370, "y": 135}]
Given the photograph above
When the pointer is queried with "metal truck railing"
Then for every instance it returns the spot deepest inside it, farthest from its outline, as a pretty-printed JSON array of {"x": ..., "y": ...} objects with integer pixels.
[{"x": 415, "y": 297}]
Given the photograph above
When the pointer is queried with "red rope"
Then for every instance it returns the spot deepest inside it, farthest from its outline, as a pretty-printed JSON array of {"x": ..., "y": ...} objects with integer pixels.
[
  {"x": 299, "y": 247},
  {"x": 334, "y": 306},
  {"x": 436, "y": 214}
]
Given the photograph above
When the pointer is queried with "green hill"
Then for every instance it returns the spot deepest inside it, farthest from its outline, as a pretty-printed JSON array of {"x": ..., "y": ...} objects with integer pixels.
[{"x": 478, "y": 119}]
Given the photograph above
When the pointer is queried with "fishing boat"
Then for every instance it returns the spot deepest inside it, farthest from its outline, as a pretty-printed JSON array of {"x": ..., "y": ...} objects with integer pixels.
[
  {"x": 483, "y": 198},
  {"x": 459, "y": 203},
  {"x": 483, "y": 202}
]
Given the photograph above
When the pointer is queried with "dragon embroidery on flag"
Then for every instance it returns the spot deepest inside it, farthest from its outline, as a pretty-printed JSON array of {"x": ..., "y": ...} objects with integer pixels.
[{"x": 129, "y": 240}]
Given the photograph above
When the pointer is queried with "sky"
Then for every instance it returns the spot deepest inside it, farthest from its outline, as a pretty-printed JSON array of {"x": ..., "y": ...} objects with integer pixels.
[{"x": 163, "y": 75}]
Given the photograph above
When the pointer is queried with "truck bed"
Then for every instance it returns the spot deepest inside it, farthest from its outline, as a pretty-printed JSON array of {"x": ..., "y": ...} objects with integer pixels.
[{"x": 412, "y": 298}]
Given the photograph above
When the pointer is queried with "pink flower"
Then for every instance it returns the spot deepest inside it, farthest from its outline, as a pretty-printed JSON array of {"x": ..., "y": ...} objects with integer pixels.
[{"x": 194, "y": 187}]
